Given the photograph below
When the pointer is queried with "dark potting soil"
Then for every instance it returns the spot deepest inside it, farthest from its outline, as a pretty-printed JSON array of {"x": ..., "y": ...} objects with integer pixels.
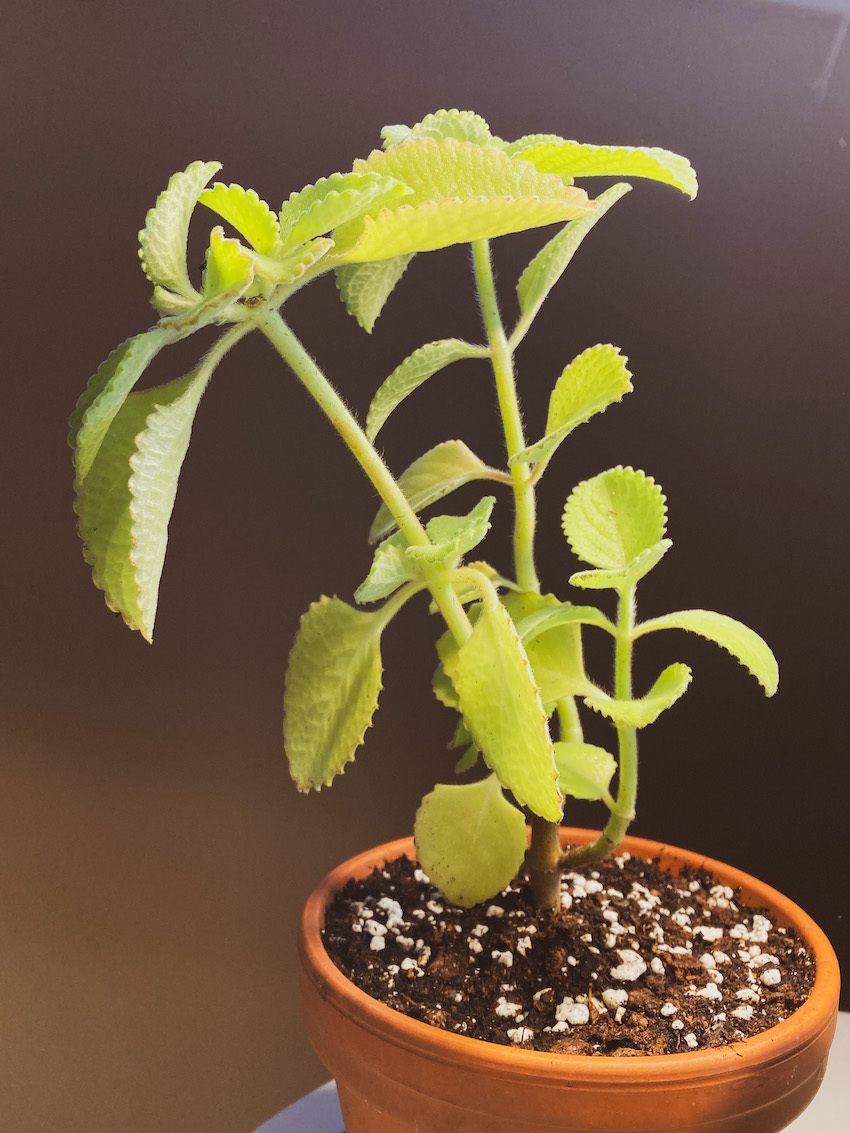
[{"x": 636, "y": 961}]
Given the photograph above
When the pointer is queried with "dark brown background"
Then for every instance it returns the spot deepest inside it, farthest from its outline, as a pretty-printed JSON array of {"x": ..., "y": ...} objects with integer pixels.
[{"x": 153, "y": 853}]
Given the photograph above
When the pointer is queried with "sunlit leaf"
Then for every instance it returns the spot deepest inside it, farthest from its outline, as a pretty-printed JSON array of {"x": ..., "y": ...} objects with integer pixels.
[
  {"x": 552, "y": 154},
  {"x": 462, "y": 125},
  {"x": 585, "y": 771},
  {"x": 644, "y": 710},
  {"x": 365, "y": 288},
  {"x": 335, "y": 200},
  {"x": 229, "y": 268},
  {"x": 248, "y": 214},
  {"x": 613, "y": 517},
  {"x": 162, "y": 242}
]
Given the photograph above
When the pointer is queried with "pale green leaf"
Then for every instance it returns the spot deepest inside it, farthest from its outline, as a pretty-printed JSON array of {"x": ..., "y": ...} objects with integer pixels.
[
  {"x": 335, "y": 200},
  {"x": 551, "y": 154},
  {"x": 162, "y": 242},
  {"x": 390, "y": 569},
  {"x": 551, "y": 614},
  {"x": 332, "y": 686},
  {"x": 461, "y": 735},
  {"x": 462, "y": 125},
  {"x": 229, "y": 268},
  {"x": 597, "y": 378},
  {"x": 439, "y": 471},
  {"x": 552, "y": 260},
  {"x": 611, "y": 518},
  {"x": 585, "y": 771},
  {"x": 365, "y": 288},
  {"x": 394, "y": 135},
  {"x": 620, "y": 577},
  {"x": 248, "y": 214},
  {"x": 167, "y": 303},
  {"x": 470, "y": 840},
  {"x": 501, "y": 705},
  {"x": 646, "y": 709},
  {"x": 290, "y": 264},
  {"x": 410, "y": 374},
  {"x": 453, "y": 536},
  {"x": 555, "y": 652},
  {"x": 467, "y": 761},
  {"x": 443, "y": 688},
  {"x": 743, "y": 643}
]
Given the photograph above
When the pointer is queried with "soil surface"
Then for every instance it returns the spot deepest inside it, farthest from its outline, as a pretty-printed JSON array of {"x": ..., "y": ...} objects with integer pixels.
[{"x": 637, "y": 960}]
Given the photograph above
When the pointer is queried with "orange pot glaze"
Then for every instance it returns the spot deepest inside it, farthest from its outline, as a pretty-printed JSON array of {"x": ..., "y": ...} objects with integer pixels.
[{"x": 398, "y": 1075}]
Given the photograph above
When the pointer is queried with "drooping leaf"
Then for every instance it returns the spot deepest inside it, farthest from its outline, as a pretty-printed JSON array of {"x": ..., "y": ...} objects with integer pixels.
[
  {"x": 390, "y": 569},
  {"x": 644, "y": 710},
  {"x": 597, "y": 378},
  {"x": 410, "y": 374},
  {"x": 620, "y": 577},
  {"x": 551, "y": 614},
  {"x": 229, "y": 268},
  {"x": 332, "y": 686},
  {"x": 470, "y": 840},
  {"x": 453, "y": 536},
  {"x": 610, "y": 519},
  {"x": 552, "y": 154},
  {"x": 162, "y": 242},
  {"x": 248, "y": 214},
  {"x": 585, "y": 771},
  {"x": 365, "y": 288},
  {"x": 433, "y": 475},
  {"x": 335, "y": 200},
  {"x": 462, "y": 125},
  {"x": 556, "y": 655},
  {"x": 501, "y": 705},
  {"x": 743, "y": 643},
  {"x": 552, "y": 260}
]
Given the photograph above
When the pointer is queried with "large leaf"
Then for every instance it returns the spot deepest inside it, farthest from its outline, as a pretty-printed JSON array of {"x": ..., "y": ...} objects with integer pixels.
[
  {"x": 611, "y": 518},
  {"x": 332, "y": 686},
  {"x": 410, "y": 374},
  {"x": 585, "y": 771},
  {"x": 597, "y": 378},
  {"x": 125, "y": 501},
  {"x": 390, "y": 569},
  {"x": 470, "y": 840},
  {"x": 365, "y": 288},
  {"x": 743, "y": 643},
  {"x": 552, "y": 154},
  {"x": 462, "y": 125},
  {"x": 453, "y": 536},
  {"x": 552, "y": 260},
  {"x": 335, "y": 200},
  {"x": 162, "y": 242},
  {"x": 501, "y": 705},
  {"x": 555, "y": 655},
  {"x": 248, "y": 214},
  {"x": 433, "y": 475},
  {"x": 638, "y": 713},
  {"x": 619, "y": 577}
]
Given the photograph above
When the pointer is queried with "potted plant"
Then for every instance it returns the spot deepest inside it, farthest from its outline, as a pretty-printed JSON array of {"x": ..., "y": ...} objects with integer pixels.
[{"x": 568, "y": 951}]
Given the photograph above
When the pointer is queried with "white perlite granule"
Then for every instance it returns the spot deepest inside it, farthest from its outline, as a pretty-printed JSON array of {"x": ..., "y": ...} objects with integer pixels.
[
  {"x": 576, "y": 1014},
  {"x": 377, "y": 943},
  {"x": 632, "y": 966},
  {"x": 771, "y": 977},
  {"x": 615, "y": 997},
  {"x": 669, "y": 1009},
  {"x": 507, "y": 1010},
  {"x": 520, "y": 1034},
  {"x": 691, "y": 1041},
  {"x": 506, "y": 958}
]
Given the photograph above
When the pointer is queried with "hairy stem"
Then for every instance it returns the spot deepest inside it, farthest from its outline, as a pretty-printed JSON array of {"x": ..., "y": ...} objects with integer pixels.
[{"x": 342, "y": 419}]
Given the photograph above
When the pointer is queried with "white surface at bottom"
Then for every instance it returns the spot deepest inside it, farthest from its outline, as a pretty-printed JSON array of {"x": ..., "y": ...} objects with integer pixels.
[{"x": 829, "y": 1112}]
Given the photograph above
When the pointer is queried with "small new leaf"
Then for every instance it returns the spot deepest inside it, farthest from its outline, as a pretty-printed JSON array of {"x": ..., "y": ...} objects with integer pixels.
[
  {"x": 335, "y": 200},
  {"x": 229, "y": 268},
  {"x": 620, "y": 577},
  {"x": 670, "y": 685},
  {"x": 462, "y": 125},
  {"x": 610, "y": 519},
  {"x": 410, "y": 374},
  {"x": 585, "y": 771},
  {"x": 162, "y": 242},
  {"x": 248, "y": 214},
  {"x": 332, "y": 686},
  {"x": 365, "y": 288},
  {"x": 470, "y": 840},
  {"x": 453, "y": 536},
  {"x": 743, "y": 643},
  {"x": 390, "y": 569}
]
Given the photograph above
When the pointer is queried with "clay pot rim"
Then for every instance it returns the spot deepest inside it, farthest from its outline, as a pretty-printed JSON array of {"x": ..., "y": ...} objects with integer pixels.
[{"x": 767, "y": 1048}]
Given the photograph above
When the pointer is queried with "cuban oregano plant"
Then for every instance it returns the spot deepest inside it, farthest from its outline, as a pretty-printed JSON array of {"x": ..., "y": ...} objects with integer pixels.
[{"x": 509, "y": 660}]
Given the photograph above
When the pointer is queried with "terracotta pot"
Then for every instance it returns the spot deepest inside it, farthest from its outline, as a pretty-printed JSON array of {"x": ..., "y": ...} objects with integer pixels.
[{"x": 398, "y": 1075}]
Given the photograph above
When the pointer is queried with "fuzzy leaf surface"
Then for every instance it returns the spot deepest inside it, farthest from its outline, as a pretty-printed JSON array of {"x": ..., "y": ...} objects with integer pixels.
[
  {"x": 162, "y": 242},
  {"x": 569, "y": 159},
  {"x": 470, "y": 840},
  {"x": 229, "y": 268},
  {"x": 669, "y": 686},
  {"x": 290, "y": 264},
  {"x": 433, "y": 475},
  {"x": 585, "y": 770},
  {"x": 335, "y": 200},
  {"x": 332, "y": 686},
  {"x": 555, "y": 654},
  {"x": 410, "y": 374},
  {"x": 736, "y": 638},
  {"x": 462, "y": 125},
  {"x": 365, "y": 288},
  {"x": 550, "y": 615},
  {"x": 501, "y": 704},
  {"x": 609, "y": 519},
  {"x": 246, "y": 212},
  {"x": 453, "y": 536},
  {"x": 390, "y": 569},
  {"x": 628, "y": 575}
]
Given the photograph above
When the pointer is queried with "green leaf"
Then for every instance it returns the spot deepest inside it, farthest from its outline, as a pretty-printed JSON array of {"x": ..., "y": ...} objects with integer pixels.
[
  {"x": 335, "y": 200},
  {"x": 332, "y": 686},
  {"x": 611, "y": 518},
  {"x": 645, "y": 710},
  {"x": 743, "y": 643},
  {"x": 552, "y": 154},
  {"x": 365, "y": 288},
  {"x": 394, "y": 135},
  {"x": 443, "y": 688},
  {"x": 468, "y": 760},
  {"x": 620, "y": 577},
  {"x": 597, "y": 378},
  {"x": 229, "y": 268},
  {"x": 552, "y": 260},
  {"x": 162, "y": 242},
  {"x": 410, "y": 374},
  {"x": 462, "y": 125},
  {"x": 453, "y": 536},
  {"x": 501, "y": 705},
  {"x": 390, "y": 569},
  {"x": 470, "y": 840},
  {"x": 551, "y": 614},
  {"x": 290, "y": 264},
  {"x": 555, "y": 653},
  {"x": 439, "y": 471},
  {"x": 248, "y": 214},
  {"x": 125, "y": 501},
  {"x": 585, "y": 771}
]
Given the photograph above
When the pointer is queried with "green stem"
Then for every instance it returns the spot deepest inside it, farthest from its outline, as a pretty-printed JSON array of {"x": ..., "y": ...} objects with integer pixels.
[{"x": 342, "y": 419}]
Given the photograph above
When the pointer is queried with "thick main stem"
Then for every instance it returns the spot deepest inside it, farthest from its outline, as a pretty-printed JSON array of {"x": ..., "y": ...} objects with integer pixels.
[{"x": 342, "y": 419}]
